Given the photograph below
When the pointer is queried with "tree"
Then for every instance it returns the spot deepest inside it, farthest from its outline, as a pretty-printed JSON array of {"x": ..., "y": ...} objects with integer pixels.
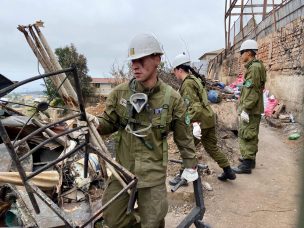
[
  {"x": 119, "y": 74},
  {"x": 164, "y": 72},
  {"x": 67, "y": 57}
]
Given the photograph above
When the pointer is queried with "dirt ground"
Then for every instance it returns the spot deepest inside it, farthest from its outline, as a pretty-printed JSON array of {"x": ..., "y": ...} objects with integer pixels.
[{"x": 267, "y": 198}]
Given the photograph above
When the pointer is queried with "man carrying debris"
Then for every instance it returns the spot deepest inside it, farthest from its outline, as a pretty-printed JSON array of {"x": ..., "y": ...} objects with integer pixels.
[
  {"x": 143, "y": 111},
  {"x": 250, "y": 106},
  {"x": 200, "y": 114}
]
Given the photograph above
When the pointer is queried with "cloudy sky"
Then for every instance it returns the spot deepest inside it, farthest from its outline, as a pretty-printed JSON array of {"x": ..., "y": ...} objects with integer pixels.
[{"x": 102, "y": 29}]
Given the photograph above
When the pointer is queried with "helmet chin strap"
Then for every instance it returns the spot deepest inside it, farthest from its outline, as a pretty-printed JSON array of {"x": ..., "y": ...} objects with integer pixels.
[{"x": 135, "y": 132}]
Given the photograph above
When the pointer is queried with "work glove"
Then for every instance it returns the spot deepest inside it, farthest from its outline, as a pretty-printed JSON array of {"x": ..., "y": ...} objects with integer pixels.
[
  {"x": 197, "y": 132},
  {"x": 244, "y": 117},
  {"x": 190, "y": 174},
  {"x": 93, "y": 119}
]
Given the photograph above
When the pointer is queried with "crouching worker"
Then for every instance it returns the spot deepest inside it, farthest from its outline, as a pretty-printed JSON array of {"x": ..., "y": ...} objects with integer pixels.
[
  {"x": 200, "y": 115},
  {"x": 143, "y": 111}
]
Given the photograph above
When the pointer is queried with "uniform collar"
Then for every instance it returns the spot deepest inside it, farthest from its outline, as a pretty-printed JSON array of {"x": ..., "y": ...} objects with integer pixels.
[
  {"x": 141, "y": 89},
  {"x": 247, "y": 65},
  {"x": 188, "y": 76}
]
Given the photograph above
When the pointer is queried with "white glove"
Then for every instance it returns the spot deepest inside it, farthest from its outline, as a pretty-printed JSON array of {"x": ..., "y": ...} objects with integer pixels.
[
  {"x": 197, "y": 132},
  {"x": 93, "y": 119},
  {"x": 190, "y": 174},
  {"x": 244, "y": 117}
]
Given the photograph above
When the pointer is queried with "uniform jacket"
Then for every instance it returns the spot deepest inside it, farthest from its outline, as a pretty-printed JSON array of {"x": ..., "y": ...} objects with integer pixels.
[
  {"x": 196, "y": 99},
  {"x": 251, "y": 99},
  {"x": 147, "y": 164}
]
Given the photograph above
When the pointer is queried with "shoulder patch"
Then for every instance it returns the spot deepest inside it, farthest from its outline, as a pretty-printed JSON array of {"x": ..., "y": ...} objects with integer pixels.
[
  {"x": 187, "y": 119},
  {"x": 123, "y": 102},
  {"x": 187, "y": 101},
  {"x": 248, "y": 83}
]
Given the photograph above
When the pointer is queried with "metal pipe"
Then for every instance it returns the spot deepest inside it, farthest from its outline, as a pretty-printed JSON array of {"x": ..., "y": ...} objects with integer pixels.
[
  {"x": 45, "y": 127},
  {"x": 127, "y": 174},
  {"x": 51, "y": 133},
  {"x": 6, "y": 140},
  {"x": 83, "y": 117},
  {"x": 61, "y": 214},
  {"x": 8, "y": 89},
  {"x": 130, "y": 185},
  {"x": 55, "y": 161},
  {"x": 48, "y": 140}
]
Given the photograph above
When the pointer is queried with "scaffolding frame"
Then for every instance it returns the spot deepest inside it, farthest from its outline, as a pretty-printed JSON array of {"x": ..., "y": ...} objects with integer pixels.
[{"x": 239, "y": 9}]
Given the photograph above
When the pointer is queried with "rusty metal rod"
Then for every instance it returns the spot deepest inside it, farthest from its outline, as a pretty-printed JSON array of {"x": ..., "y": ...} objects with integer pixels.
[
  {"x": 83, "y": 117},
  {"x": 126, "y": 173},
  {"x": 130, "y": 185},
  {"x": 55, "y": 161},
  {"x": 6, "y": 140},
  {"x": 132, "y": 200},
  {"x": 60, "y": 140},
  {"x": 45, "y": 127},
  {"x": 8, "y": 89},
  {"x": 48, "y": 140},
  {"x": 61, "y": 214}
]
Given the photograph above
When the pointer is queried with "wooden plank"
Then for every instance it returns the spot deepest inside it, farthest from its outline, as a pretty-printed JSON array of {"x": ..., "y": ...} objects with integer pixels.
[{"x": 276, "y": 111}]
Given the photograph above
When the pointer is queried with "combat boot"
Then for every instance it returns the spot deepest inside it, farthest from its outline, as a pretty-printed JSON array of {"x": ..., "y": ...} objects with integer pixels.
[
  {"x": 227, "y": 174},
  {"x": 177, "y": 179},
  {"x": 241, "y": 159},
  {"x": 244, "y": 167}
]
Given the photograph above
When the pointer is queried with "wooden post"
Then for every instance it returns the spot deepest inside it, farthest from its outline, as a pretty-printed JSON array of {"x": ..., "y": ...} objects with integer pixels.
[{"x": 49, "y": 62}]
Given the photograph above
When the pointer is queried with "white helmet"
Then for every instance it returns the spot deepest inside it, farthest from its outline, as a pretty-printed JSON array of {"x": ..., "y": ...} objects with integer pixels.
[
  {"x": 249, "y": 45},
  {"x": 143, "y": 45},
  {"x": 180, "y": 59}
]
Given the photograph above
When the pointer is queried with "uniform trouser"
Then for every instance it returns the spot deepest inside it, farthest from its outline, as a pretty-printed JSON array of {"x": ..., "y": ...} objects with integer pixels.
[
  {"x": 248, "y": 137},
  {"x": 209, "y": 142},
  {"x": 152, "y": 207}
]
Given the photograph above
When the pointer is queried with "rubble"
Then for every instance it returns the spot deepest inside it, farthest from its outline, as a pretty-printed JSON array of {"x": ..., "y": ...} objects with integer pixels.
[{"x": 60, "y": 162}]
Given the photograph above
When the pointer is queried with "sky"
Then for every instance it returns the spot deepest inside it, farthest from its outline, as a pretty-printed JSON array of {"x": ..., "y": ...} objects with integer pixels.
[{"x": 102, "y": 29}]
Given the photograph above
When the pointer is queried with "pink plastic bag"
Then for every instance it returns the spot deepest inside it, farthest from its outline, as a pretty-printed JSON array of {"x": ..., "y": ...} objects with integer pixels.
[
  {"x": 239, "y": 80},
  {"x": 271, "y": 104}
]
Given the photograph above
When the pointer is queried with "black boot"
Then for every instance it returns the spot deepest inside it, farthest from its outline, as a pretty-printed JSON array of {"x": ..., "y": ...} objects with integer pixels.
[
  {"x": 241, "y": 159},
  {"x": 244, "y": 167},
  {"x": 177, "y": 179},
  {"x": 227, "y": 174}
]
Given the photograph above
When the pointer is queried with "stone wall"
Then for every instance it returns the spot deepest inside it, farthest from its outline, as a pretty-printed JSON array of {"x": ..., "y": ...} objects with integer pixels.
[{"x": 281, "y": 48}]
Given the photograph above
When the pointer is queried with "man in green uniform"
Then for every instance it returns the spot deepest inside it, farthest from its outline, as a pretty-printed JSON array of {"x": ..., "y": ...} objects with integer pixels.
[
  {"x": 250, "y": 106},
  {"x": 143, "y": 111}
]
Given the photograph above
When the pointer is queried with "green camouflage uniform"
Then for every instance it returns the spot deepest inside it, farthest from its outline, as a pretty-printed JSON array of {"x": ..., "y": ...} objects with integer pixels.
[
  {"x": 147, "y": 158},
  {"x": 199, "y": 110},
  {"x": 251, "y": 101}
]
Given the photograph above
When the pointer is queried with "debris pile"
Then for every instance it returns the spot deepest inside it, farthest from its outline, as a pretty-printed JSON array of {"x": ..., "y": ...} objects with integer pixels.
[
  {"x": 64, "y": 183},
  {"x": 275, "y": 113},
  {"x": 61, "y": 164},
  {"x": 218, "y": 91}
]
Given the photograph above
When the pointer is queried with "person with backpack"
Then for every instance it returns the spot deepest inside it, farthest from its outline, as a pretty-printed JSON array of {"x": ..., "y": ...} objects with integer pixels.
[{"x": 200, "y": 115}]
